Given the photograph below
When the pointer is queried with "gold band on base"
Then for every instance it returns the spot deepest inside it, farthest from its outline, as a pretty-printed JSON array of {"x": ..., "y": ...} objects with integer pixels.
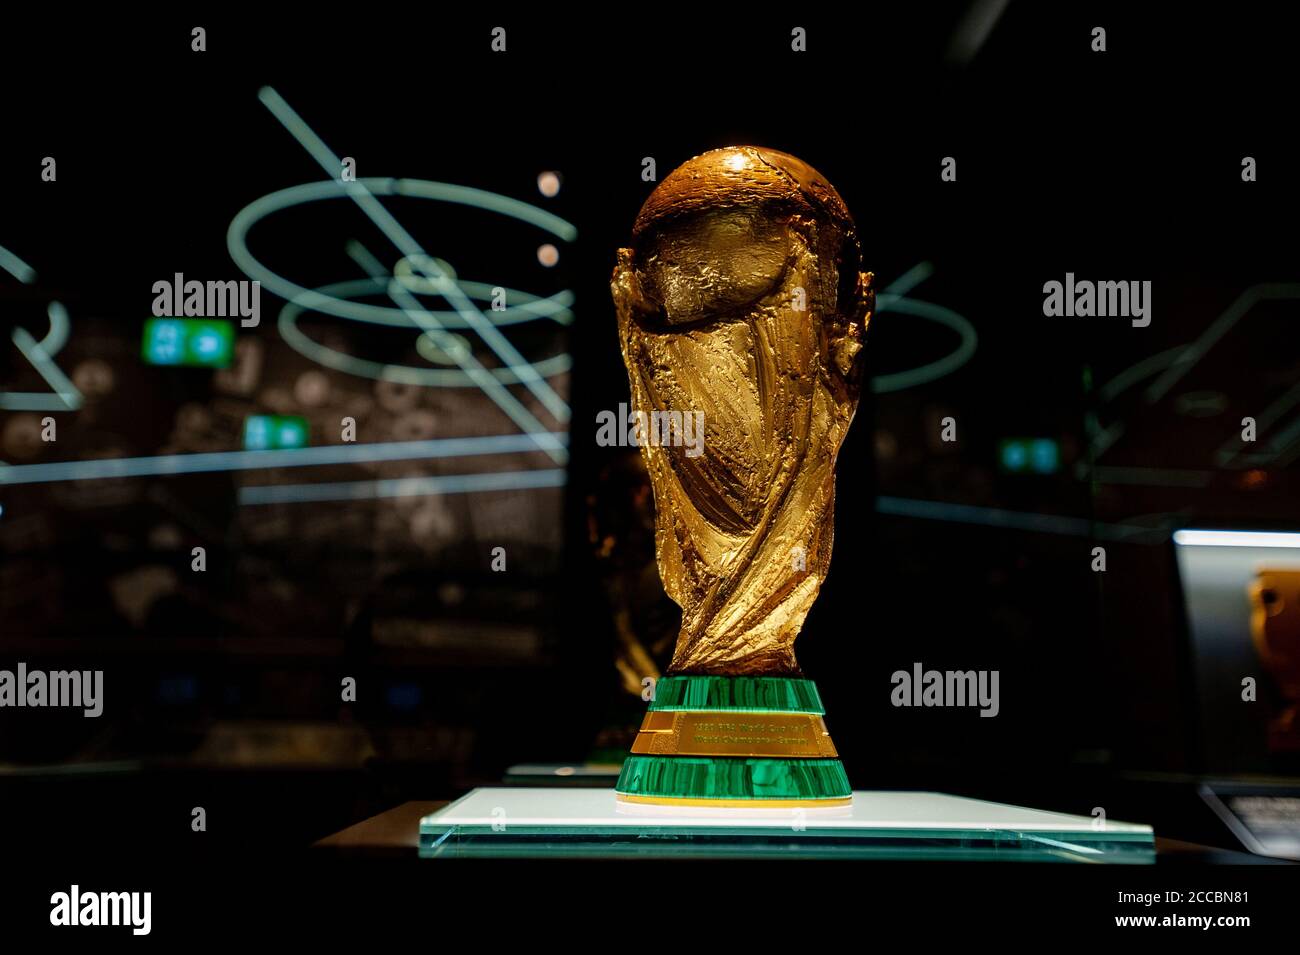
[{"x": 730, "y": 733}]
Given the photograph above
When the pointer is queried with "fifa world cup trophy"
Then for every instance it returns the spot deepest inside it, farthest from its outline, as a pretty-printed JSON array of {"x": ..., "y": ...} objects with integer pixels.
[{"x": 741, "y": 304}]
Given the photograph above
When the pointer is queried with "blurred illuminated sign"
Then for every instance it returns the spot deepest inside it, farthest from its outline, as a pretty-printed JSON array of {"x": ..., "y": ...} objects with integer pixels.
[
  {"x": 1029, "y": 456},
  {"x": 206, "y": 343},
  {"x": 264, "y": 432}
]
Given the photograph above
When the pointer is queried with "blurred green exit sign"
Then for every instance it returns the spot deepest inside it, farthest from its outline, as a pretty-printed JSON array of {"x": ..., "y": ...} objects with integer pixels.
[
  {"x": 1029, "y": 455},
  {"x": 267, "y": 432},
  {"x": 201, "y": 342}
]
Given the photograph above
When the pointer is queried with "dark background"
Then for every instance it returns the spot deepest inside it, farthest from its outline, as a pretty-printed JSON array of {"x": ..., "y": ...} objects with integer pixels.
[{"x": 1122, "y": 165}]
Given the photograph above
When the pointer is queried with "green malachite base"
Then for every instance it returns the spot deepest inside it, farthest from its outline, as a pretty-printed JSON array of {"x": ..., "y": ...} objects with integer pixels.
[
  {"x": 734, "y": 779},
  {"x": 731, "y": 778},
  {"x": 771, "y": 694}
]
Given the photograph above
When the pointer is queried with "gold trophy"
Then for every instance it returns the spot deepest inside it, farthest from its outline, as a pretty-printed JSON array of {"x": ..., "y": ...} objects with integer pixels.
[{"x": 741, "y": 305}]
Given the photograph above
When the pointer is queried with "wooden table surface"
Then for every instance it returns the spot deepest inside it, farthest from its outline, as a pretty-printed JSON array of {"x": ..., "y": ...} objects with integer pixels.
[{"x": 396, "y": 831}]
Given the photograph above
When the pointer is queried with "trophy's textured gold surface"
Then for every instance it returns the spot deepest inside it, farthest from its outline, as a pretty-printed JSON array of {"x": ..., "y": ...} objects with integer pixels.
[{"x": 741, "y": 297}]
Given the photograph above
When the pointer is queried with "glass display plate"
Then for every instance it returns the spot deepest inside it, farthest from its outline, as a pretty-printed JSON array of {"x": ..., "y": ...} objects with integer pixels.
[{"x": 519, "y": 822}]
